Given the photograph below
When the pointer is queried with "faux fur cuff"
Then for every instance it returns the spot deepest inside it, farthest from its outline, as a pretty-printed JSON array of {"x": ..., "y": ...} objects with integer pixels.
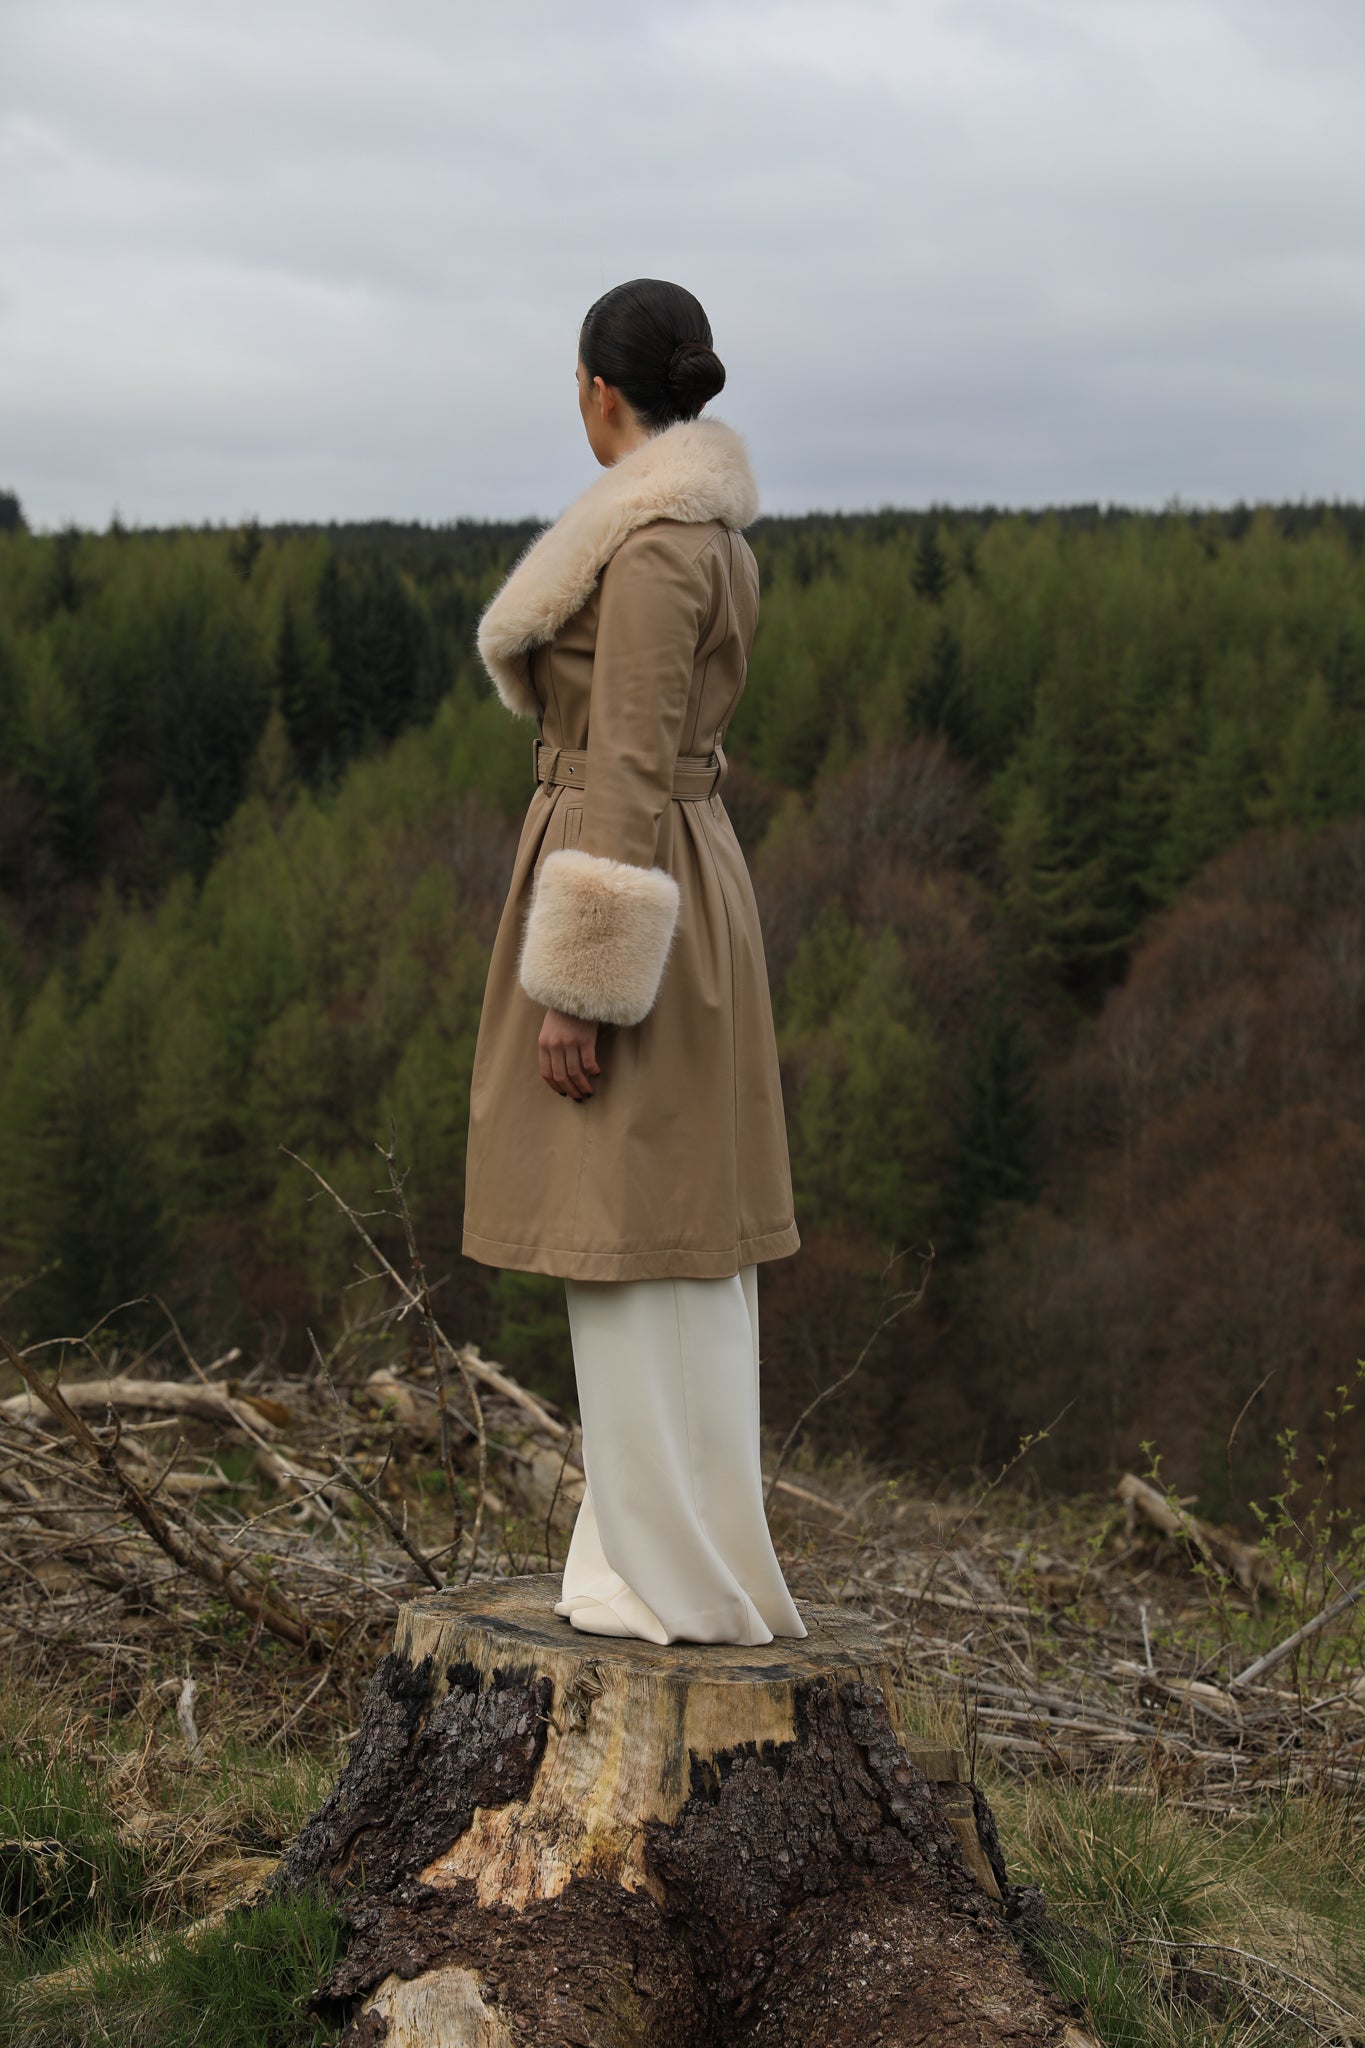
[
  {"x": 694, "y": 470},
  {"x": 597, "y": 936}
]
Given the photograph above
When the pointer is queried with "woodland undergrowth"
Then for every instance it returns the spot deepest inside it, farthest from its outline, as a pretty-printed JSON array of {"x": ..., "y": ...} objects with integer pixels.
[{"x": 204, "y": 1562}]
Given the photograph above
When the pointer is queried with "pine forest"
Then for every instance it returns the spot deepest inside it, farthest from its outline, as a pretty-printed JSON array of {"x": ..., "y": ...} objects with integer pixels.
[{"x": 1057, "y": 827}]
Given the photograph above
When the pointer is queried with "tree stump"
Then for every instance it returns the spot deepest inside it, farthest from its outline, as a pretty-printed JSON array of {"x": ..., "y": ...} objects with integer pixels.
[{"x": 543, "y": 1837}]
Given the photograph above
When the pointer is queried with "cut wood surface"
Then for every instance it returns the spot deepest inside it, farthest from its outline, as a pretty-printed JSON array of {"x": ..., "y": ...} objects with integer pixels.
[{"x": 544, "y": 1837}]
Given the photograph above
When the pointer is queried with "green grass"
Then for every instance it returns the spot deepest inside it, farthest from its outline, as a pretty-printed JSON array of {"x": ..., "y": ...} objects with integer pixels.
[
  {"x": 80, "y": 1873},
  {"x": 244, "y": 1984},
  {"x": 1177, "y": 1930},
  {"x": 1152, "y": 1901},
  {"x": 111, "y": 1930},
  {"x": 1173, "y": 1926},
  {"x": 1129, "y": 1866}
]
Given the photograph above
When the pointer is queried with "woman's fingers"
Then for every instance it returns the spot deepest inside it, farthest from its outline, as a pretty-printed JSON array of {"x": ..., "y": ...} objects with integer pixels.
[
  {"x": 568, "y": 1054},
  {"x": 573, "y": 1061}
]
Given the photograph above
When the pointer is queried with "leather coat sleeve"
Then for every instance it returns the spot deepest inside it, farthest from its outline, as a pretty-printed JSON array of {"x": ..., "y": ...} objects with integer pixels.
[{"x": 603, "y": 914}]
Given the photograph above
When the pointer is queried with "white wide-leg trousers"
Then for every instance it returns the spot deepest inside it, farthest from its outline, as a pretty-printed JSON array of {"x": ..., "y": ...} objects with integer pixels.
[{"x": 671, "y": 1541}]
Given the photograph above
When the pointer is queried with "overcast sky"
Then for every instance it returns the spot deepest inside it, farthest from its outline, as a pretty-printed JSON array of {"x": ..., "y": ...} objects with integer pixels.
[{"x": 330, "y": 260}]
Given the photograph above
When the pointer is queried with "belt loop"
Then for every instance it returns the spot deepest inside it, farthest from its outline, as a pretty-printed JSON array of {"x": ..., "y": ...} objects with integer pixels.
[{"x": 724, "y": 768}]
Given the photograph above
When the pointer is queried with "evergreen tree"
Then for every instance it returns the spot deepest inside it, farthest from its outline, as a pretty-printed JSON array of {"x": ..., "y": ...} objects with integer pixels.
[
  {"x": 864, "y": 1150},
  {"x": 65, "y": 584},
  {"x": 997, "y": 1124},
  {"x": 1344, "y": 669},
  {"x": 1318, "y": 776},
  {"x": 931, "y": 574},
  {"x": 12, "y": 518},
  {"x": 532, "y": 1333},
  {"x": 79, "y": 1199},
  {"x": 305, "y": 690},
  {"x": 54, "y": 754},
  {"x": 245, "y": 550},
  {"x": 209, "y": 729},
  {"x": 1050, "y": 904},
  {"x": 1211, "y": 804},
  {"x": 374, "y": 642},
  {"x": 938, "y": 701}
]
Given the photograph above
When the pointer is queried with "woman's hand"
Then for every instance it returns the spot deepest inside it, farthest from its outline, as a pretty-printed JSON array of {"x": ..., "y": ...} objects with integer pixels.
[{"x": 568, "y": 1053}]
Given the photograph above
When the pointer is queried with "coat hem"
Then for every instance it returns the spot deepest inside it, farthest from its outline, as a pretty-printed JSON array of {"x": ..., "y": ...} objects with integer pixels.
[{"x": 676, "y": 1262}]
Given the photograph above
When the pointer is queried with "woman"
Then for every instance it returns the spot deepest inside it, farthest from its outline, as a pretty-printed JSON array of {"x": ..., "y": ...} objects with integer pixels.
[{"x": 626, "y": 1127}]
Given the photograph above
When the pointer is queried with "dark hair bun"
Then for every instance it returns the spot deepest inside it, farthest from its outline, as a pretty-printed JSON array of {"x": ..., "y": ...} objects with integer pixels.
[
  {"x": 695, "y": 372},
  {"x": 652, "y": 340}
]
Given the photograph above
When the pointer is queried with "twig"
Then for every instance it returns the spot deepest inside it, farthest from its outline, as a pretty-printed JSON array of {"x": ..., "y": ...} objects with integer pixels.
[
  {"x": 300, "y": 1710},
  {"x": 467, "y": 1364},
  {"x": 1241, "y": 1416},
  {"x": 1245, "y": 1955},
  {"x": 503, "y": 1384},
  {"x": 996, "y": 1610},
  {"x": 420, "y": 1296},
  {"x": 549, "y": 1512},
  {"x": 195, "y": 1553},
  {"x": 191, "y": 1361},
  {"x": 298, "y": 1488},
  {"x": 365, "y": 1492},
  {"x": 1026, "y": 1444},
  {"x": 908, "y": 1298},
  {"x": 1300, "y": 1635}
]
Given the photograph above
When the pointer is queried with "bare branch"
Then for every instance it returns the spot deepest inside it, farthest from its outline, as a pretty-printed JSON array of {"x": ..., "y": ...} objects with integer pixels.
[
  {"x": 196, "y": 1552},
  {"x": 906, "y": 1299}
]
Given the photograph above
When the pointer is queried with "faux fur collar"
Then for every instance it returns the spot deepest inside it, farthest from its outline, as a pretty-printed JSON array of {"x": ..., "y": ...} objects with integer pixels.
[{"x": 694, "y": 470}]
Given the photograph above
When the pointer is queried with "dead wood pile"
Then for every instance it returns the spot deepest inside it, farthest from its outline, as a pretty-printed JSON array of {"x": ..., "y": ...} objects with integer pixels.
[{"x": 153, "y": 1528}]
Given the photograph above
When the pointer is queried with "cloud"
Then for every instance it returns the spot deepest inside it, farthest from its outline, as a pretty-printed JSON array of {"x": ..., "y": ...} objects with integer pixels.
[{"x": 329, "y": 261}]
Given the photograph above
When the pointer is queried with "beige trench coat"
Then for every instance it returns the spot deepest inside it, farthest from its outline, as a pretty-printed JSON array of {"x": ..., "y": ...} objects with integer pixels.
[{"x": 624, "y": 633}]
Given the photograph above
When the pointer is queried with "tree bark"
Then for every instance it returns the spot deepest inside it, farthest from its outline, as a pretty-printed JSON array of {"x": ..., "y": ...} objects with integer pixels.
[{"x": 543, "y": 1837}]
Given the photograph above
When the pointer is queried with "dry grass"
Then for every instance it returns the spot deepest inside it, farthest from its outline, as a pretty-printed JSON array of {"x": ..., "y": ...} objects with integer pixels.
[{"x": 166, "y": 1727}]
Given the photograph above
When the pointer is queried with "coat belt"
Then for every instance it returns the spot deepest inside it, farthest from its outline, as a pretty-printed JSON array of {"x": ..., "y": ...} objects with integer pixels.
[{"x": 696, "y": 776}]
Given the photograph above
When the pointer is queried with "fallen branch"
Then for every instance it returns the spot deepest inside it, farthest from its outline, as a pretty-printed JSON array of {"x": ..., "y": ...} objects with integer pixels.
[
  {"x": 99, "y": 1560},
  {"x": 804, "y": 1494},
  {"x": 1300, "y": 1635},
  {"x": 194, "y": 1552},
  {"x": 162, "y": 1397},
  {"x": 1244, "y": 1562},
  {"x": 365, "y": 1491},
  {"x": 996, "y": 1610}
]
